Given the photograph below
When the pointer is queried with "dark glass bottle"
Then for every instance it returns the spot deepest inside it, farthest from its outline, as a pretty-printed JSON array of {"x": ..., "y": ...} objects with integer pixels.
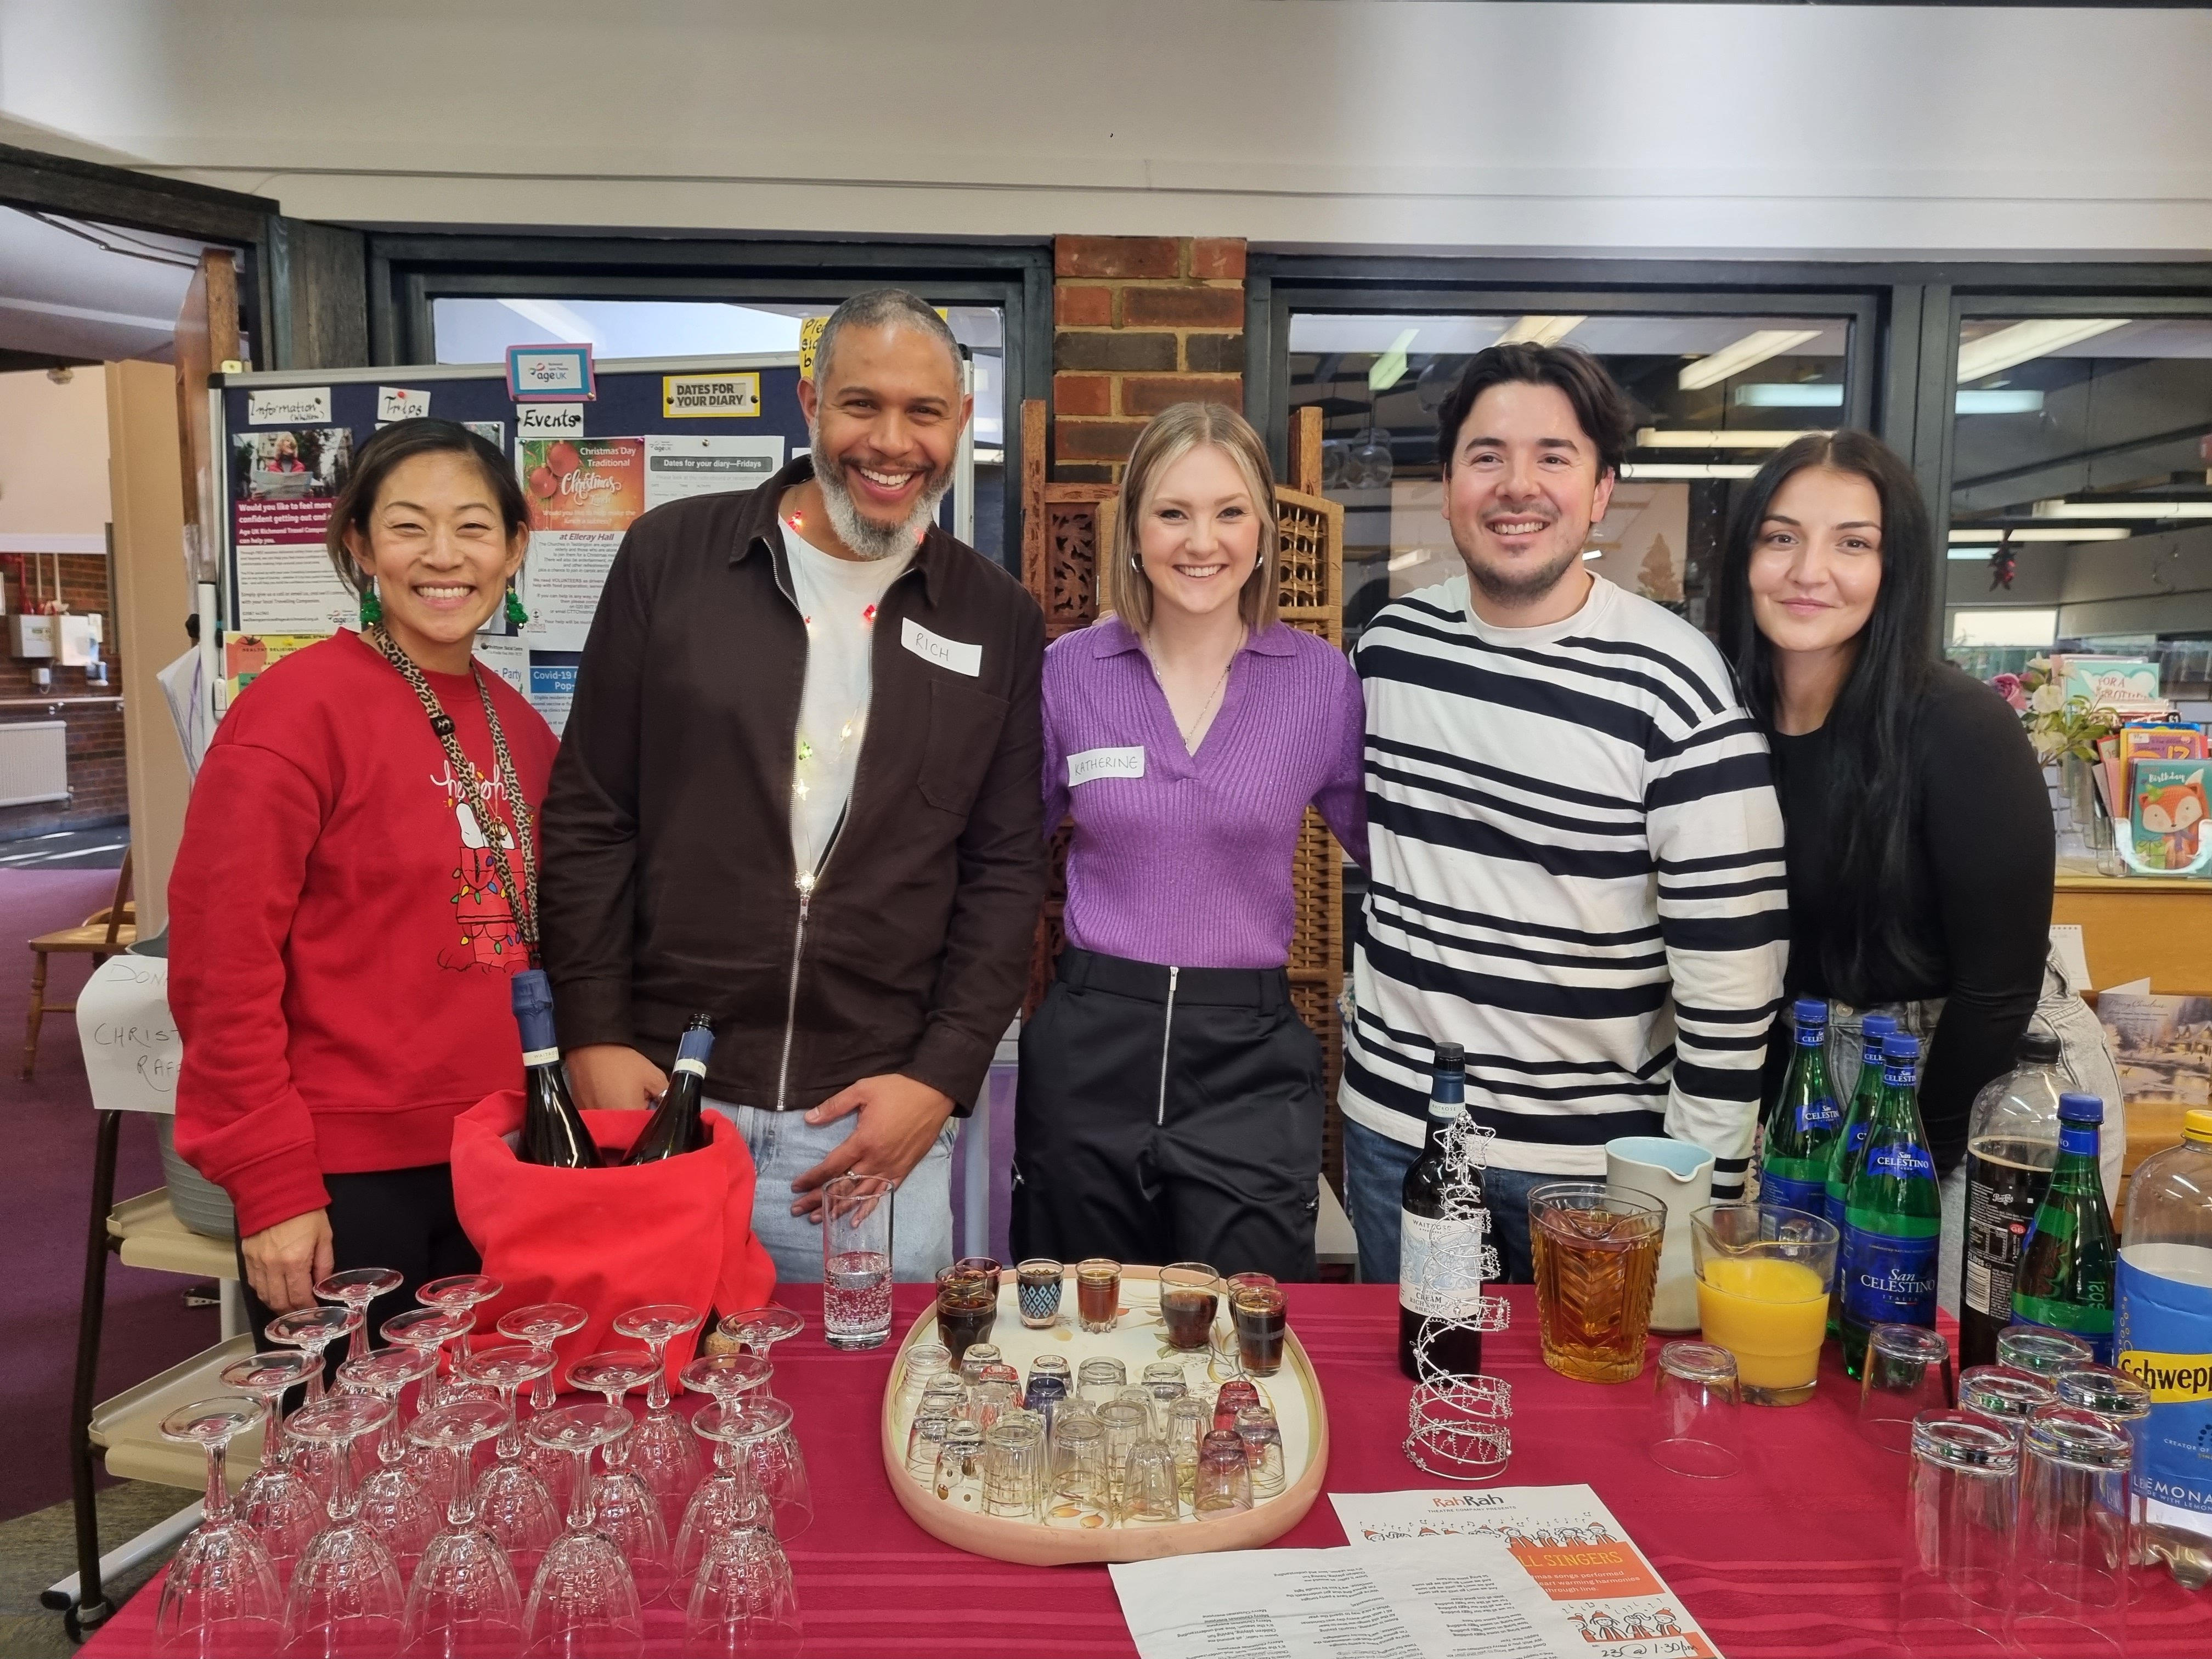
[
  {"x": 2067, "y": 1263},
  {"x": 2011, "y": 1142},
  {"x": 675, "y": 1127},
  {"x": 1424, "y": 1230},
  {"x": 1793, "y": 1165},
  {"x": 553, "y": 1132},
  {"x": 1892, "y": 1214}
]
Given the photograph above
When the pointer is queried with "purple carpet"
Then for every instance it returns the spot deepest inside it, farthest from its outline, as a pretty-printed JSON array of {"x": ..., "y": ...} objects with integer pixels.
[{"x": 49, "y": 1127}]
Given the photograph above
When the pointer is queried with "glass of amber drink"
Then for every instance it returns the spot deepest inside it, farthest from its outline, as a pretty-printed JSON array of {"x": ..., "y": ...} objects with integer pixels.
[{"x": 1597, "y": 1263}]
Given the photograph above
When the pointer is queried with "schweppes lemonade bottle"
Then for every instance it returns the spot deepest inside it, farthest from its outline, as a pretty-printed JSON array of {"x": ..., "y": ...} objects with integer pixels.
[
  {"x": 1892, "y": 1213},
  {"x": 2162, "y": 1335}
]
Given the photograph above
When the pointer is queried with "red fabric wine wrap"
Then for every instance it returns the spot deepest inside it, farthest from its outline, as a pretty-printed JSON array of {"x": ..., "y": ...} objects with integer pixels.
[{"x": 608, "y": 1240}]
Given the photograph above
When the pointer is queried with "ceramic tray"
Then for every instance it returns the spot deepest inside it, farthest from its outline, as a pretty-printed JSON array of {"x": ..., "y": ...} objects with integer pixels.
[{"x": 1137, "y": 1340}]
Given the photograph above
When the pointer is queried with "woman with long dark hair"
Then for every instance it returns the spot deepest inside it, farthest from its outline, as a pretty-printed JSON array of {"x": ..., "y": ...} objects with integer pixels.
[{"x": 1920, "y": 845}]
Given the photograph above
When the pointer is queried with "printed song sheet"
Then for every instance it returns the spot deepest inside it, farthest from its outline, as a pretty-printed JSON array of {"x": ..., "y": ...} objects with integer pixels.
[
  {"x": 1568, "y": 1542},
  {"x": 1443, "y": 1598}
]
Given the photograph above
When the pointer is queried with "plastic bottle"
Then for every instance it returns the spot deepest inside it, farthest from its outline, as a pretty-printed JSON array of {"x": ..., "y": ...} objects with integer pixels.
[
  {"x": 2012, "y": 1141},
  {"x": 2163, "y": 1339}
]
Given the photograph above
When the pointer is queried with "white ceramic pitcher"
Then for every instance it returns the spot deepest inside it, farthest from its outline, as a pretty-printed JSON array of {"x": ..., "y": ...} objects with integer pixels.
[{"x": 1678, "y": 1175}]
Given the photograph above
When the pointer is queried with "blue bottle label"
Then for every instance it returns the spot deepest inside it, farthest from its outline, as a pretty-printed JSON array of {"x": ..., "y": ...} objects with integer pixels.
[
  {"x": 1889, "y": 1280},
  {"x": 1811, "y": 1196},
  {"x": 1898, "y": 1073},
  {"x": 1902, "y": 1158},
  {"x": 1811, "y": 1034},
  {"x": 2078, "y": 1137},
  {"x": 1821, "y": 1114},
  {"x": 2162, "y": 1337}
]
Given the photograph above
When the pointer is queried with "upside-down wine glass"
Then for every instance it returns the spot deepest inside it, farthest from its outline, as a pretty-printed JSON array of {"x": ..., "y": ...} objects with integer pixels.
[
  {"x": 464, "y": 1602},
  {"x": 353, "y": 1290},
  {"x": 393, "y": 1500},
  {"x": 345, "y": 1602},
  {"x": 585, "y": 1599},
  {"x": 727, "y": 1498},
  {"x": 625, "y": 1508},
  {"x": 541, "y": 1325},
  {"x": 511, "y": 1504},
  {"x": 460, "y": 1293},
  {"x": 428, "y": 1330},
  {"x": 776, "y": 1461},
  {"x": 221, "y": 1596},
  {"x": 280, "y": 1505},
  {"x": 741, "y": 1600},
  {"x": 311, "y": 1330},
  {"x": 663, "y": 1450}
]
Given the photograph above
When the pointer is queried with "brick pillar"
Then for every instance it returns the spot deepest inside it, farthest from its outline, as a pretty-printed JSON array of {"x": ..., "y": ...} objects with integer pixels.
[{"x": 1139, "y": 322}]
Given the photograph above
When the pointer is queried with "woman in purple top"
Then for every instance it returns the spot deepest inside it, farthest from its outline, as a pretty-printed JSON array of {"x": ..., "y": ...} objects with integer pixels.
[{"x": 1170, "y": 1100}]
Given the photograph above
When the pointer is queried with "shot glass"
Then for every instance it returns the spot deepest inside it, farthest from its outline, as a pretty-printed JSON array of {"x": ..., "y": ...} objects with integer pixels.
[
  {"x": 925, "y": 1363},
  {"x": 856, "y": 1261},
  {"x": 1260, "y": 1316},
  {"x": 1126, "y": 1423},
  {"x": 959, "y": 1477},
  {"x": 1263, "y": 1450},
  {"x": 2036, "y": 1348},
  {"x": 1907, "y": 1371},
  {"x": 1223, "y": 1484},
  {"x": 1038, "y": 1283},
  {"x": 1013, "y": 1470},
  {"x": 925, "y": 1439},
  {"x": 1190, "y": 1291},
  {"x": 1098, "y": 1293},
  {"x": 1099, "y": 1378},
  {"x": 1964, "y": 1482},
  {"x": 2004, "y": 1397},
  {"x": 1149, "y": 1496},
  {"x": 967, "y": 1309},
  {"x": 988, "y": 1401},
  {"x": 979, "y": 1359},
  {"x": 1696, "y": 1403},
  {"x": 1080, "y": 1497}
]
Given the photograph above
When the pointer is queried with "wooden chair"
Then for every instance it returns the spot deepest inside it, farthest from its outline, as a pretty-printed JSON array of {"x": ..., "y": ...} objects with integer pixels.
[{"x": 105, "y": 932}]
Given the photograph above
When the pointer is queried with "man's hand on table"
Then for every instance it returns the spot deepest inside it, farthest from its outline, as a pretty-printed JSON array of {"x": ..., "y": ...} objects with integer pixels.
[
  {"x": 607, "y": 1076},
  {"x": 897, "y": 1119},
  {"x": 283, "y": 1263}
]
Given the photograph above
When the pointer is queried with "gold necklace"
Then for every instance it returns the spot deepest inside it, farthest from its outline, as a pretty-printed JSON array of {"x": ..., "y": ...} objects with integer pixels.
[{"x": 1197, "y": 721}]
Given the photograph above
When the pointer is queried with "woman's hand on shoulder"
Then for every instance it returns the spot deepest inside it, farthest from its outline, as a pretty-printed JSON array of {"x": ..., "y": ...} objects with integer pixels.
[
  {"x": 608, "y": 1077},
  {"x": 283, "y": 1263}
]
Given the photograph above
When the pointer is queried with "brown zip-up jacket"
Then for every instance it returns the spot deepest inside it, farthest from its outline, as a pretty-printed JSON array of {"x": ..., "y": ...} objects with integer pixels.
[{"x": 670, "y": 889}]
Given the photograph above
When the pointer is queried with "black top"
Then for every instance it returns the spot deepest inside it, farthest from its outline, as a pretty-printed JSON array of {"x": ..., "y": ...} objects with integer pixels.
[{"x": 1976, "y": 898}]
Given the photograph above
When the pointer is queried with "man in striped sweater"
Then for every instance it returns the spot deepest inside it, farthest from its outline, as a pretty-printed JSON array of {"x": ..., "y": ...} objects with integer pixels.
[{"x": 1576, "y": 868}]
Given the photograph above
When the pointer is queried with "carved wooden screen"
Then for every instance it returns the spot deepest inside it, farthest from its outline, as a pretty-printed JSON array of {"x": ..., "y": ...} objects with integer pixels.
[{"x": 1062, "y": 527}]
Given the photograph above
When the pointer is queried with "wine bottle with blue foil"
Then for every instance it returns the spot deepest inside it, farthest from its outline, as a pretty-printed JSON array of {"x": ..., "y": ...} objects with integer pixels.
[
  {"x": 553, "y": 1132},
  {"x": 2064, "y": 1280},
  {"x": 675, "y": 1127},
  {"x": 1850, "y": 1140},
  {"x": 1800, "y": 1131},
  {"x": 1892, "y": 1214}
]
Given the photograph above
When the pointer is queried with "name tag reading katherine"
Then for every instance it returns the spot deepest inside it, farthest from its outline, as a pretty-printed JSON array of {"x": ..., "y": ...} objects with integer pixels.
[
  {"x": 945, "y": 653},
  {"x": 1105, "y": 763}
]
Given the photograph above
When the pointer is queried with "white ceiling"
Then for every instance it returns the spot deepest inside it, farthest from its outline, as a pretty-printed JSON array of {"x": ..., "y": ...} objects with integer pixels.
[{"x": 63, "y": 292}]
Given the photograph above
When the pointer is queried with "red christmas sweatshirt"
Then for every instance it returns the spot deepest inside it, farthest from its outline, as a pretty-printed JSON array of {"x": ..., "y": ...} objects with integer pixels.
[{"x": 339, "y": 942}]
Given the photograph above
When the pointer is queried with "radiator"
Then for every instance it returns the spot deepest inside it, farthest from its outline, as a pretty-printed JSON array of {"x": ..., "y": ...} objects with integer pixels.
[{"x": 34, "y": 762}]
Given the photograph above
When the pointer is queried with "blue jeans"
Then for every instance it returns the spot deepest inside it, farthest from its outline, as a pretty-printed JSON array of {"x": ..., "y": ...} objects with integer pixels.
[
  {"x": 1374, "y": 1177},
  {"x": 784, "y": 1147}
]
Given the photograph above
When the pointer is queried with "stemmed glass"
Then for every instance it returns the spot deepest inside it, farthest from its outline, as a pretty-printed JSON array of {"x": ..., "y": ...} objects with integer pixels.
[
  {"x": 741, "y": 1598},
  {"x": 428, "y": 1330},
  {"x": 311, "y": 1330},
  {"x": 541, "y": 1325},
  {"x": 511, "y": 1504},
  {"x": 727, "y": 1498},
  {"x": 346, "y": 1598},
  {"x": 585, "y": 1599},
  {"x": 284, "y": 1510},
  {"x": 355, "y": 1289},
  {"x": 776, "y": 1461},
  {"x": 626, "y": 1508},
  {"x": 464, "y": 1599},
  {"x": 460, "y": 1293},
  {"x": 392, "y": 1500},
  {"x": 221, "y": 1595},
  {"x": 662, "y": 1450}
]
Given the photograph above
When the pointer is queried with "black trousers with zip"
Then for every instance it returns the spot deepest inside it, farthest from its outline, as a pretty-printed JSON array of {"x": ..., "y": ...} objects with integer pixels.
[{"x": 1169, "y": 1115}]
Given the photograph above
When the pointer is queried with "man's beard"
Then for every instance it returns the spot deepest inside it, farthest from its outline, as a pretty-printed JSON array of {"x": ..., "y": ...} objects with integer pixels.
[
  {"x": 1518, "y": 588},
  {"x": 863, "y": 535}
]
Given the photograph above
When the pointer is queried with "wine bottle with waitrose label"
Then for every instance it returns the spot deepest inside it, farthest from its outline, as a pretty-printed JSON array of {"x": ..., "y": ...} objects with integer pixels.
[
  {"x": 1432, "y": 1249},
  {"x": 1892, "y": 1214},
  {"x": 675, "y": 1127},
  {"x": 553, "y": 1132}
]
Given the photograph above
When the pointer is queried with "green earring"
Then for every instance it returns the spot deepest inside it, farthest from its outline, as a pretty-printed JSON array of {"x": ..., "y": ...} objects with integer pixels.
[
  {"x": 372, "y": 608},
  {"x": 516, "y": 613}
]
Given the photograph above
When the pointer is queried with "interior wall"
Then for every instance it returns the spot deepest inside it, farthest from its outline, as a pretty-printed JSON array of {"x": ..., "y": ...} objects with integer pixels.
[
  {"x": 53, "y": 462},
  {"x": 1420, "y": 125}
]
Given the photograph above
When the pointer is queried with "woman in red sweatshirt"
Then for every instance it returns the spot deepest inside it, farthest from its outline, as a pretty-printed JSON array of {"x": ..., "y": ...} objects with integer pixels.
[{"x": 357, "y": 883}]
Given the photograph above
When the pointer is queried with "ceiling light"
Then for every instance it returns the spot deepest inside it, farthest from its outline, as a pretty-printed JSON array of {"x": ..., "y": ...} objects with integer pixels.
[
  {"x": 1653, "y": 438},
  {"x": 1790, "y": 394},
  {"x": 2082, "y": 534},
  {"x": 1732, "y": 359},
  {"x": 1540, "y": 331},
  {"x": 1998, "y": 403},
  {"x": 1390, "y": 367},
  {"x": 2023, "y": 340},
  {"x": 2153, "y": 510},
  {"x": 1688, "y": 469}
]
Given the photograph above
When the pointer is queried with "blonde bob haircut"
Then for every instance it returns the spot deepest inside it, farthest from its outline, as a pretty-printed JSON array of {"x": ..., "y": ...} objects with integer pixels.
[{"x": 1167, "y": 438}]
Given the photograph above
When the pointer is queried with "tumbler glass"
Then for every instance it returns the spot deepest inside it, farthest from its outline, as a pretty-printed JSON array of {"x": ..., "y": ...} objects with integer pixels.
[
  {"x": 1230, "y": 1398},
  {"x": 959, "y": 1477},
  {"x": 925, "y": 1363},
  {"x": 1597, "y": 1263},
  {"x": 979, "y": 1358},
  {"x": 1907, "y": 1371},
  {"x": 1038, "y": 1283},
  {"x": 1098, "y": 1293},
  {"x": 1165, "y": 1382},
  {"x": 2040, "y": 1349},
  {"x": 856, "y": 1261},
  {"x": 988, "y": 1402},
  {"x": 1259, "y": 1313},
  {"x": 1013, "y": 1474},
  {"x": 1080, "y": 1495},
  {"x": 1695, "y": 1430},
  {"x": 2000, "y": 1395},
  {"x": 1964, "y": 1483},
  {"x": 925, "y": 1439},
  {"x": 967, "y": 1308},
  {"x": 1149, "y": 1497},
  {"x": 1223, "y": 1481},
  {"x": 1099, "y": 1378},
  {"x": 1263, "y": 1450},
  {"x": 2125, "y": 1404},
  {"x": 1126, "y": 1423},
  {"x": 1190, "y": 1420},
  {"x": 1763, "y": 1277},
  {"x": 1190, "y": 1291},
  {"x": 2071, "y": 1573}
]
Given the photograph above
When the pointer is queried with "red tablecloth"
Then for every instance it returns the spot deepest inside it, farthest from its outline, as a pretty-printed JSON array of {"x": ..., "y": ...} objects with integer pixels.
[{"x": 1797, "y": 1557}]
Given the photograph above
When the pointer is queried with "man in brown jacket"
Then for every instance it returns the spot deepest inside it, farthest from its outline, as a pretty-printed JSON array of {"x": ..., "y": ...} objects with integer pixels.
[{"x": 798, "y": 793}]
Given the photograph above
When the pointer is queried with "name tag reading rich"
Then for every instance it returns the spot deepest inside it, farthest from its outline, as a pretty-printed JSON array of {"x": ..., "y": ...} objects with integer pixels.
[
  {"x": 945, "y": 653},
  {"x": 1105, "y": 763}
]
